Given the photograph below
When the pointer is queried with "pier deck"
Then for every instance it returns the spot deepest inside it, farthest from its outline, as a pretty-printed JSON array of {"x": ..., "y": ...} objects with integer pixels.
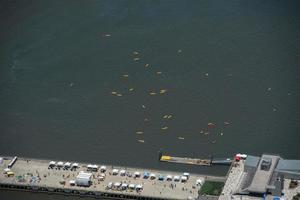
[
  {"x": 33, "y": 174},
  {"x": 190, "y": 161}
]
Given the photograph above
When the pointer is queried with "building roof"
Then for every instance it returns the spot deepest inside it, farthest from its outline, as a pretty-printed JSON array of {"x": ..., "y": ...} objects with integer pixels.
[
  {"x": 252, "y": 161},
  {"x": 289, "y": 165},
  {"x": 263, "y": 176}
]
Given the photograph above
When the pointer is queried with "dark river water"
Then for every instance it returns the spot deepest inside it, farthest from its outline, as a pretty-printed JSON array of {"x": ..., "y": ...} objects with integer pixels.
[{"x": 234, "y": 64}]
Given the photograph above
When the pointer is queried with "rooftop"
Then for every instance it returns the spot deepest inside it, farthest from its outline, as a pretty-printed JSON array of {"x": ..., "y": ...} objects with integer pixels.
[{"x": 263, "y": 173}]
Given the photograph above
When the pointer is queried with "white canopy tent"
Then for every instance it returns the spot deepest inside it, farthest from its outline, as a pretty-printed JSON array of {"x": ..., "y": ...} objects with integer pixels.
[
  {"x": 72, "y": 182},
  {"x": 124, "y": 186},
  {"x": 169, "y": 177},
  {"x": 139, "y": 187},
  {"x": 132, "y": 186},
  {"x": 60, "y": 164},
  {"x": 152, "y": 176},
  {"x": 95, "y": 167},
  {"x": 67, "y": 165},
  {"x": 137, "y": 174},
  {"x": 103, "y": 168},
  {"x": 184, "y": 178},
  {"x": 199, "y": 182},
  {"x": 115, "y": 171},
  {"x": 75, "y": 165},
  {"x": 176, "y": 178},
  {"x": 109, "y": 185},
  {"x": 117, "y": 184},
  {"x": 122, "y": 172},
  {"x": 83, "y": 179},
  {"x": 7, "y": 170},
  {"x": 244, "y": 156}
]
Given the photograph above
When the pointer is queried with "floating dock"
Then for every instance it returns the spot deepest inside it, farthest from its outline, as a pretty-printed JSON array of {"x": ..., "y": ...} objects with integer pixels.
[
  {"x": 195, "y": 161},
  {"x": 191, "y": 161},
  {"x": 38, "y": 175}
]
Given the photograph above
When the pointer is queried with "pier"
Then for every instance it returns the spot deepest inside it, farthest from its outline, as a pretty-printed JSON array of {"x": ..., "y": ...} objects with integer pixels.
[
  {"x": 107, "y": 182},
  {"x": 195, "y": 161}
]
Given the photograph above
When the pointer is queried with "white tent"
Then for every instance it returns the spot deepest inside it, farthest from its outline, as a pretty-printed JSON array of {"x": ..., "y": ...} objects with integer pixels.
[
  {"x": 67, "y": 165},
  {"x": 184, "y": 178},
  {"x": 103, "y": 168},
  {"x": 152, "y": 176},
  {"x": 75, "y": 165},
  {"x": 89, "y": 166},
  {"x": 84, "y": 174},
  {"x": 109, "y": 185},
  {"x": 199, "y": 182},
  {"x": 169, "y": 177},
  {"x": 115, "y": 171},
  {"x": 124, "y": 186},
  {"x": 82, "y": 182},
  {"x": 176, "y": 178},
  {"x": 83, "y": 179},
  {"x": 95, "y": 167},
  {"x": 139, "y": 187},
  {"x": 117, "y": 184},
  {"x": 60, "y": 164},
  {"x": 244, "y": 156},
  {"x": 72, "y": 182},
  {"x": 7, "y": 170},
  {"x": 137, "y": 174},
  {"x": 122, "y": 172}
]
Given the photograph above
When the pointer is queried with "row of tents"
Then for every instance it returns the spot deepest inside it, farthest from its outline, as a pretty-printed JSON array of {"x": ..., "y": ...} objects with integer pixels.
[
  {"x": 184, "y": 177},
  {"x": 124, "y": 186},
  {"x": 66, "y": 165}
]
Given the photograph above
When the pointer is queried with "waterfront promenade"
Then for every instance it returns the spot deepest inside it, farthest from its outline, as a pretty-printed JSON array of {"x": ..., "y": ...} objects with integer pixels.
[{"x": 35, "y": 174}]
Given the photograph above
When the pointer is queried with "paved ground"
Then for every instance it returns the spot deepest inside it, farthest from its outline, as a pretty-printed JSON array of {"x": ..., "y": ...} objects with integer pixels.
[
  {"x": 36, "y": 172},
  {"x": 289, "y": 193},
  {"x": 234, "y": 178}
]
